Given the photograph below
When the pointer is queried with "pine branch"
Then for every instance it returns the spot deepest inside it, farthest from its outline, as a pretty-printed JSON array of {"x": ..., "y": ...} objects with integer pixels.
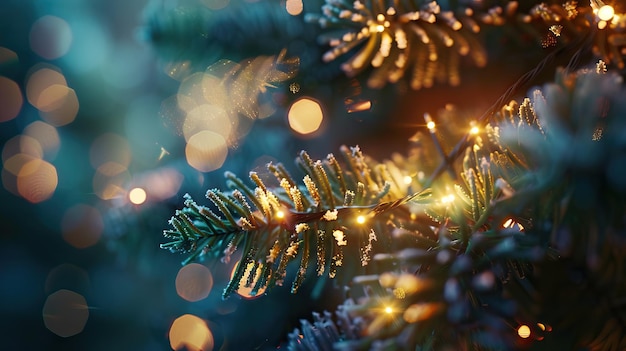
[
  {"x": 424, "y": 41},
  {"x": 491, "y": 269},
  {"x": 272, "y": 226}
]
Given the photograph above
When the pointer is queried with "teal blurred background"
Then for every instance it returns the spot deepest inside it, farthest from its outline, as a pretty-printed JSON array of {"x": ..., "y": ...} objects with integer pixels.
[{"x": 82, "y": 95}]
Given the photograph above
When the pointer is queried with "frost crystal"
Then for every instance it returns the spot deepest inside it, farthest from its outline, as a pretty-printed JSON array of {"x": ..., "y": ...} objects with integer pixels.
[
  {"x": 330, "y": 215},
  {"x": 365, "y": 251},
  {"x": 292, "y": 250},
  {"x": 300, "y": 227},
  {"x": 274, "y": 251},
  {"x": 339, "y": 236}
]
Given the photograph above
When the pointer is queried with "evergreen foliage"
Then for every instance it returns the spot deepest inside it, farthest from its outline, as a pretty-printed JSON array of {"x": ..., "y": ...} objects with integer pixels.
[{"x": 528, "y": 231}]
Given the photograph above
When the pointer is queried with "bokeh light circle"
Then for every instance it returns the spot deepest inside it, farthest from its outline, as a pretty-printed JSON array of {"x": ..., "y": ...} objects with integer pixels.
[
  {"x": 52, "y": 97},
  {"x": 206, "y": 151},
  {"x": 42, "y": 77},
  {"x": 137, "y": 196},
  {"x": 62, "y": 111},
  {"x": 207, "y": 117},
  {"x": 110, "y": 180},
  {"x": 37, "y": 180},
  {"x": 11, "y": 99},
  {"x": 189, "y": 332},
  {"x": 7, "y": 56},
  {"x": 50, "y": 37},
  {"x": 294, "y": 7},
  {"x": 305, "y": 116},
  {"x": 21, "y": 144},
  {"x": 82, "y": 226},
  {"x": 194, "y": 282},
  {"x": 606, "y": 12},
  {"x": 65, "y": 313},
  {"x": 47, "y": 136}
]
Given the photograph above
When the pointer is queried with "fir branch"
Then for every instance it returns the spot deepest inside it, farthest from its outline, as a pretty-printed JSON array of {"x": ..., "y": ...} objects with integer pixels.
[{"x": 278, "y": 225}]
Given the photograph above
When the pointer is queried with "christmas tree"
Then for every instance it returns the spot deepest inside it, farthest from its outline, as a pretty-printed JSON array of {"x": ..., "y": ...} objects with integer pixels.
[
  {"x": 492, "y": 231},
  {"x": 457, "y": 185}
]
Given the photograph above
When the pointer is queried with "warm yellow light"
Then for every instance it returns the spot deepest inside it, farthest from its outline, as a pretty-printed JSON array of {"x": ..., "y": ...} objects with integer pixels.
[
  {"x": 474, "y": 129},
  {"x": 508, "y": 223},
  {"x": 37, "y": 180},
  {"x": 541, "y": 326},
  {"x": 380, "y": 28},
  {"x": 294, "y": 7},
  {"x": 189, "y": 332},
  {"x": 606, "y": 12},
  {"x": 360, "y": 219},
  {"x": 447, "y": 199},
  {"x": 430, "y": 124},
  {"x": 280, "y": 214},
  {"x": 206, "y": 151},
  {"x": 137, "y": 196},
  {"x": 305, "y": 116},
  {"x": 388, "y": 310},
  {"x": 407, "y": 180},
  {"x": 523, "y": 331}
]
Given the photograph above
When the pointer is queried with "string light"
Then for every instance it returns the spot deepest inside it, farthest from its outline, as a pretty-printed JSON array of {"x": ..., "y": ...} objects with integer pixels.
[
  {"x": 137, "y": 196},
  {"x": 523, "y": 331},
  {"x": 474, "y": 128},
  {"x": 447, "y": 199},
  {"x": 510, "y": 223},
  {"x": 606, "y": 12}
]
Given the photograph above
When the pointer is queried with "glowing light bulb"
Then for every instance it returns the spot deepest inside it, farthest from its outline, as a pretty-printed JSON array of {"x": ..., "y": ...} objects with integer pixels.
[
  {"x": 360, "y": 219},
  {"x": 305, "y": 116},
  {"x": 430, "y": 124},
  {"x": 137, "y": 196},
  {"x": 523, "y": 331},
  {"x": 447, "y": 199},
  {"x": 508, "y": 223},
  {"x": 606, "y": 12},
  {"x": 474, "y": 128}
]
